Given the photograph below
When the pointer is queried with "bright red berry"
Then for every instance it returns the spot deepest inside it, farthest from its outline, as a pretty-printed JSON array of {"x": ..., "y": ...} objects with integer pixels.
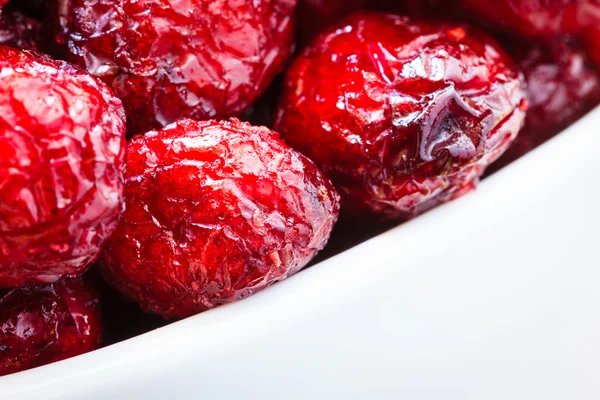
[
  {"x": 216, "y": 211},
  {"x": 47, "y": 323},
  {"x": 62, "y": 160},
  {"x": 537, "y": 18},
  {"x": 17, "y": 30},
  {"x": 401, "y": 115},
  {"x": 168, "y": 60},
  {"x": 562, "y": 85}
]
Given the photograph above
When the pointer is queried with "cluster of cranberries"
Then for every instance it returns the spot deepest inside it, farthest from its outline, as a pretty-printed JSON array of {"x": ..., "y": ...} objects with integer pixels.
[{"x": 121, "y": 147}]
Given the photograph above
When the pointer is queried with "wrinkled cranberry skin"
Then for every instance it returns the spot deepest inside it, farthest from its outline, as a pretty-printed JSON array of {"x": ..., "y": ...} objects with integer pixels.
[
  {"x": 401, "y": 115},
  {"x": 19, "y": 31},
  {"x": 562, "y": 85},
  {"x": 62, "y": 160},
  {"x": 215, "y": 211},
  {"x": 207, "y": 59},
  {"x": 537, "y": 18},
  {"x": 46, "y": 323}
]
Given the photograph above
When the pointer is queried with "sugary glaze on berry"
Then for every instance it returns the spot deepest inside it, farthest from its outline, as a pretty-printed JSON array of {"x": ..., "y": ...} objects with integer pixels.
[
  {"x": 562, "y": 85},
  {"x": 62, "y": 160},
  {"x": 537, "y": 18},
  {"x": 17, "y": 30},
  {"x": 215, "y": 212},
  {"x": 47, "y": 323},
  {"x": 401, "y": 115},
  {"x": 170, "y": 59}
]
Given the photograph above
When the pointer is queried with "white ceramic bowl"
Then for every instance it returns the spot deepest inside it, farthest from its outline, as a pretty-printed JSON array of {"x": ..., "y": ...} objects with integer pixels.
[{"x": 493, "y": 296}]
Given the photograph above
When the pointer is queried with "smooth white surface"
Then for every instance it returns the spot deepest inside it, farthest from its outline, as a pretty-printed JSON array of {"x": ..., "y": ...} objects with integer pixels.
[{"x": 494, "y": 296}]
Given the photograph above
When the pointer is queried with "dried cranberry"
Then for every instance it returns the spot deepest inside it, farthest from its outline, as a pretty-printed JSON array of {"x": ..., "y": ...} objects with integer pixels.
[
  {"x": 401, "y": 115},
  {"x": 215, "y": 212},
  {"x": 537, "y": 18},
  {"x": 207, "y": 59},
  {"x": 47, "y": 323},
  {"x": 592, "y": 40},
  {"x": 562, "y": 85},
  {"x": 17, "y": 30},
  {"x": 62, "y": 159}
]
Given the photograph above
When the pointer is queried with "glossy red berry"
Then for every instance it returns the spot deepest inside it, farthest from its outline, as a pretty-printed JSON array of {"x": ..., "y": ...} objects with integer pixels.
[
  {"x": 17, "y": 30},
  {"x": 562, "y": 85},
  {"x": 401, "y": 115},
  {"x": 47, "y": 323},
  {"x": 215, "y": 212},
  {"x": 62, "y": 160},
  {"x": 537, "y": 18},
  {"x": 169, "y": 60}
]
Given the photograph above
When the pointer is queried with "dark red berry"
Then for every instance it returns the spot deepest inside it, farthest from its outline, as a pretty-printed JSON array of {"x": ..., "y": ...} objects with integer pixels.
[
  {"x": 401, "y": 115},
  {"x": 167, "y": 60},
  {"x": 215, "y": 212},
  {"x": 47, "y": 323},
  {"x": 3, "y": 2},
  {"x": 17, "y": 30},
  {"x": 62, "y": 160},
  {"x": 537, "y": 18},
  {"x": 562, "y": 85}
]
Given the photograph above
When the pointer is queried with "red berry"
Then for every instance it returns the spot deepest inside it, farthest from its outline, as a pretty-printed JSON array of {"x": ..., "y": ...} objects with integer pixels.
[
  {"x": 17, "y": 30},
  {"x": 401, "y": 115},
  {"x": 562, "y": 85},
  {"x": 592, "y": 40},
  {"x": 215, "y": 212},
  {"x": 205, "y": 59},
  {"x": 47, "y": 323},
  {"x": 3, "y": 2},
  {"x": 62, "y": 159},
  {"x": 537, "y": 18}
]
